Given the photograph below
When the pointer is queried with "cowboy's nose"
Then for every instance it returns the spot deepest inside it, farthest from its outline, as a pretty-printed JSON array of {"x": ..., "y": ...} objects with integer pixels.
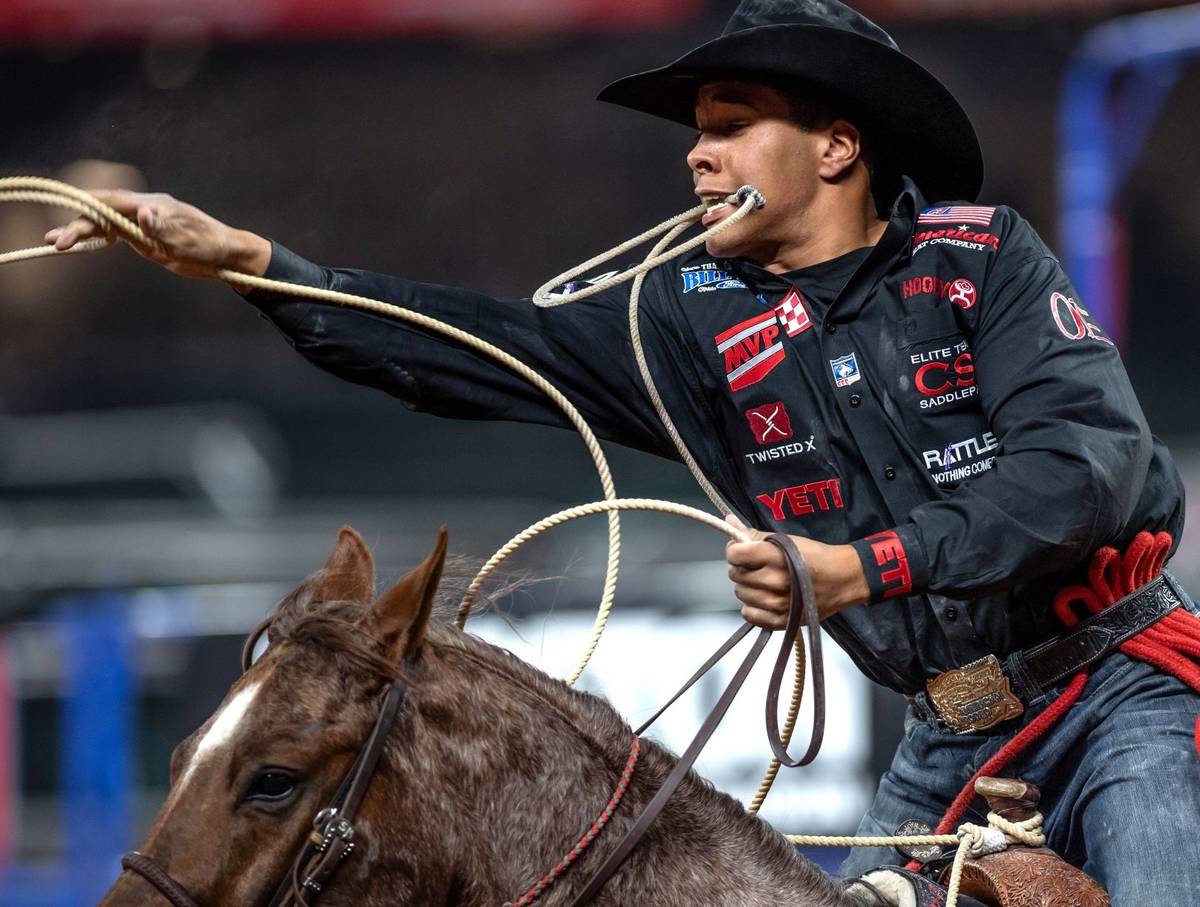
[{"x": 701, "y": 159}]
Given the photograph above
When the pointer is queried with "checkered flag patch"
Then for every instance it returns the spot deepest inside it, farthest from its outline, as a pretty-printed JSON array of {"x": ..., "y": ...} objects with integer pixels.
[{"x": 792, "y": 314}]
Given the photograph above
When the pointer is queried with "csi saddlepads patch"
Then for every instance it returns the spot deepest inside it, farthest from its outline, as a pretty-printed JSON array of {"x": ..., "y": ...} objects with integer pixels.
[
  {"x": 960, "y": 291},
  {"x": 958, "y": 214},
  {"x": 707, "y": 277},
  {"x": 962, "y": 237},
  {"x": 801, "y": 500},
  {"x": 751, "y": 349},
  {"x": 771, "y": 425},
  {"x": 960, "y": 460},
  {"x": 944, "y": 375},
  {"x": 1072, "y": 319}
]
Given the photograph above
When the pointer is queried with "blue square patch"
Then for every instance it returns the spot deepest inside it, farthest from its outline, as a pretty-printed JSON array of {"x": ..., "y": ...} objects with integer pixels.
[{"x": 845, "y": 370}]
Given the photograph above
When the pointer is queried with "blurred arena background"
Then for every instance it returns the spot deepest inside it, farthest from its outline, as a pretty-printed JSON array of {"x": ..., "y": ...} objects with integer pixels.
[{"x": 169, "y": 467}]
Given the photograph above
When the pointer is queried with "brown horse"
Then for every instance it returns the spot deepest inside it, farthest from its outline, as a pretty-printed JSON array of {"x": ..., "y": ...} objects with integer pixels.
[{"x": 490, "y": 773}]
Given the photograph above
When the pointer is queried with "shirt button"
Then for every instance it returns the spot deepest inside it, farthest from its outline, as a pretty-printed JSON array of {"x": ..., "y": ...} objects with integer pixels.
[
  {"x": 951, "y": 614},
  {"x": 855, "y": 400},
  {"x": 889, "y": 473},
  {"x": 830, "y": 328}
]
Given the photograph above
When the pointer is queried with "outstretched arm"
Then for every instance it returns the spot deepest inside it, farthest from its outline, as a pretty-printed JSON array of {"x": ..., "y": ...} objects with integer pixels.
[{"x": 583, "y": 349}]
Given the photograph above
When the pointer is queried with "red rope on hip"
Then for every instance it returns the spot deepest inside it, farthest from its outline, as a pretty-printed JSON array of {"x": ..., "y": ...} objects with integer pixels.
[
  {"x": 588, "y": 836},
  {"x": 1171, "y": 644}
]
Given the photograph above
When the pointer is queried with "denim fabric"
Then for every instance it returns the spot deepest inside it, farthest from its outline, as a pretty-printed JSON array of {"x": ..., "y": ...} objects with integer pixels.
[{"x": 1119, "y": 775}]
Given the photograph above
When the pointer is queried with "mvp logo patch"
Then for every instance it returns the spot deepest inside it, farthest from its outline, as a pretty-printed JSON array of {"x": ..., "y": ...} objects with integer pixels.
[{"x": 750, "y": 350}]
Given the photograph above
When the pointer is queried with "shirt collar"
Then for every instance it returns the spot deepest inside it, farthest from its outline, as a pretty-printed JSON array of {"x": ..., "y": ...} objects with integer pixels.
[{"x": 895, "y": 245}]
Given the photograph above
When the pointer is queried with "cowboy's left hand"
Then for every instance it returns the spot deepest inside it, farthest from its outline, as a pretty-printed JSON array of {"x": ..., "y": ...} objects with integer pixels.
[{"x": 763, "y": 586}]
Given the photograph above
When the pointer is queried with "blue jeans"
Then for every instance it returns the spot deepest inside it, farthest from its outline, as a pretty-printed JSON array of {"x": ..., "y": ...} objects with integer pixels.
[{"x": 1119, "y": 775}]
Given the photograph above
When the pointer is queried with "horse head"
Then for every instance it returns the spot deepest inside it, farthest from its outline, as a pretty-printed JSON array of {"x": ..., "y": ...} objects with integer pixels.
[
  {"x": 488, "y": 773},
  {"x": 245, "y": 787}
]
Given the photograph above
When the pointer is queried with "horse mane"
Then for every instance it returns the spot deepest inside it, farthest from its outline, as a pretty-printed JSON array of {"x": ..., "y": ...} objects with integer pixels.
[
  {"x": 339, "y": 629},
  {"x": 747, "y": 851}
]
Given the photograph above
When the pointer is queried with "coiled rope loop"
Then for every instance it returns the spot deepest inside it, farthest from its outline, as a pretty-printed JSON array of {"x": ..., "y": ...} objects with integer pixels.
[{"x": 115, "y": 225}]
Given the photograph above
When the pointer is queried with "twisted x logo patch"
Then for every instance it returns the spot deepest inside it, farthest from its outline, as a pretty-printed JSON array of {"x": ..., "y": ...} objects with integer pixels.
[{"x": 770, "y": 423}]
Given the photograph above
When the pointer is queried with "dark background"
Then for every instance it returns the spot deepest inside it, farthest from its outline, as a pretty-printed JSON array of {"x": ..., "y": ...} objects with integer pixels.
[{"x": 478, "y": 161}]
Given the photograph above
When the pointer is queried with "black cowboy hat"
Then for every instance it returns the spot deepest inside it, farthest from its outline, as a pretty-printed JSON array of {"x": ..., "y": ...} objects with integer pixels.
[{"x": 825, "y": 43}]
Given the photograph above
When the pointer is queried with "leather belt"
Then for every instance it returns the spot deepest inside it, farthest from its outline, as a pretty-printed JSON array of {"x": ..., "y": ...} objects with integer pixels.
[{"x": 987, "y": 692}]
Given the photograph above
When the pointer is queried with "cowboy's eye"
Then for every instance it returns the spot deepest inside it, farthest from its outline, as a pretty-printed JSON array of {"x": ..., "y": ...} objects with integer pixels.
[{"x": 271, "y": 784}]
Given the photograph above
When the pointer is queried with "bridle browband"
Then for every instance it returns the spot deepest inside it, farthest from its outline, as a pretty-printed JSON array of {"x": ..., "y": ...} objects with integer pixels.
[{"x": 332, "y": 837}]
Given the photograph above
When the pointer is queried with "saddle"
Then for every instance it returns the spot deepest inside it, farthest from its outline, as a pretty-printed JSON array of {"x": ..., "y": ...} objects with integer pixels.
[
  {"x": 1017, "y": 877},
  {"x": 1024, "y": 876}
]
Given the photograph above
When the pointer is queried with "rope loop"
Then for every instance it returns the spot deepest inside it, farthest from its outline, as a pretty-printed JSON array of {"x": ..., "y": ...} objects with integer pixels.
[
  {"x": 747, "y": 198},
  {"x": 1029, "y": 832}
]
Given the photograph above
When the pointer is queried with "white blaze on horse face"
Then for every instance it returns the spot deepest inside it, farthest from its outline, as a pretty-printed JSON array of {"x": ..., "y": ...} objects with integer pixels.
[{"x": 222, "y": 729}]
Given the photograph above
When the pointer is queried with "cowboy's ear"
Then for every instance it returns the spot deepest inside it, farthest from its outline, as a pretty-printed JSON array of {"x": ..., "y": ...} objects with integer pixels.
[{"x": 400, "y": 615}]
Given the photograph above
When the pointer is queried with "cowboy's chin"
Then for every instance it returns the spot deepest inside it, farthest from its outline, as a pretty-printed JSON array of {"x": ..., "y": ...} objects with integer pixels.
[{"x": 731, "y": 244}]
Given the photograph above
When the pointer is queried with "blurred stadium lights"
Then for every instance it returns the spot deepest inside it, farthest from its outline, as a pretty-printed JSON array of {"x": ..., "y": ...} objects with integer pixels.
[
  {"x": 959, "y": 9},
  {"x": 100, "y": 21},
  {"x": 1114, "y": 90}
]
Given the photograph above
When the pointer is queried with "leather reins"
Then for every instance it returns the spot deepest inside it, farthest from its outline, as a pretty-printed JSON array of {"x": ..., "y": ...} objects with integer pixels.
[
  {"x": 332, "y": 837},
  {"x": 802, "y": 611}
]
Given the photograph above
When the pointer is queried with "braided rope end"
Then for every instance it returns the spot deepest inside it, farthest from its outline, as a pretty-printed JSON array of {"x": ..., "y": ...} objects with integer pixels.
[{"x": 748, "y": 191}]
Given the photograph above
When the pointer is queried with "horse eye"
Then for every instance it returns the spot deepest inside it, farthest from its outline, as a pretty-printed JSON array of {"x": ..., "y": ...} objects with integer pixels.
[{"x": 271, "y": 784}]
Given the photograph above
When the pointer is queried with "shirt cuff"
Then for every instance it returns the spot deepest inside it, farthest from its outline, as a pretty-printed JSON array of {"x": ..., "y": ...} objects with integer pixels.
[
  {"x": 894, "y": 562},
  {"x": 287, "y": 266}
]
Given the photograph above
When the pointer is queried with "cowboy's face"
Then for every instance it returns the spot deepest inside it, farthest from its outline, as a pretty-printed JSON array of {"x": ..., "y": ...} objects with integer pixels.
[{"x": 747, "y": 135}]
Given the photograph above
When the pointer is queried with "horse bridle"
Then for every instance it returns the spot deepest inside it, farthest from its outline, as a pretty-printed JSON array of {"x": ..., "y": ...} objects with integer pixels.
[
  {"x": 332, "y": 837},
  {"x": 333, "y": 834}
]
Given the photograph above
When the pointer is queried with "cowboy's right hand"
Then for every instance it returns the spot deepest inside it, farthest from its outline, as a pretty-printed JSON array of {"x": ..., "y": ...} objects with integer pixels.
[{"x": 191, "y": 242}]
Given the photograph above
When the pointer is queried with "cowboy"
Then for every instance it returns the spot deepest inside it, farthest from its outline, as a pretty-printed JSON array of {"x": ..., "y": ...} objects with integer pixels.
[{"x": 901, "y": 378}]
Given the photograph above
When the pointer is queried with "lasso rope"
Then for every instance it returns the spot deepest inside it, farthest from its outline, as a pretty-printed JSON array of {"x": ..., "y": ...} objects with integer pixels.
[
  {"x": 115, "y": 225},
  {"x": 748, "y": 196}
]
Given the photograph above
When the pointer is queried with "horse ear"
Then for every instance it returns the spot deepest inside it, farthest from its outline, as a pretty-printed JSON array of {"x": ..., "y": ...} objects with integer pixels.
[
  {"x": 400, "y": 615},
  {"x": 349, "y": 574}
]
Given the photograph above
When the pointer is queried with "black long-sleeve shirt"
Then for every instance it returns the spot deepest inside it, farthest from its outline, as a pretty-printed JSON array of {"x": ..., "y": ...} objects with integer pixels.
[{"x": 953, "y": 411}]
